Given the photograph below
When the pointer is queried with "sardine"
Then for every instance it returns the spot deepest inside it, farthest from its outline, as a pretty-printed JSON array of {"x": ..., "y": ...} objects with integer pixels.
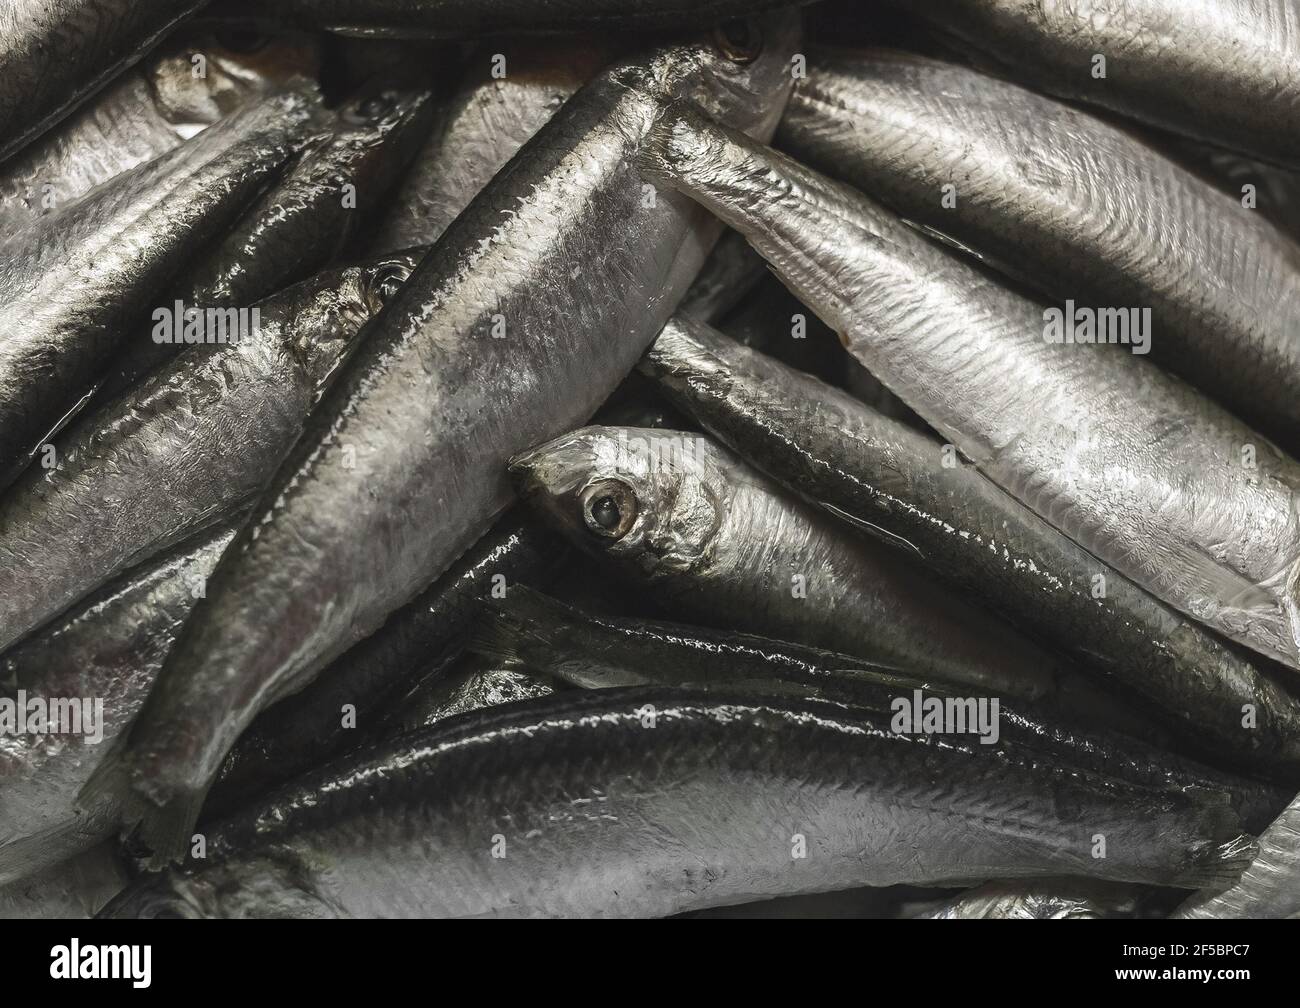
[
  {"x": 300, "y": 226},
  {"x": 577, "y": 791},
  {"x": 466, "y": 18},
  {"x": 197, "y": 439},
  {"x": 1220, "y": 70},
  {"x": 146, "y": 112},
  {"x": 1080, "y": 210},
  {"x": 109, "y": 649},
  {"x": 509, "y": 93},
  {"x": 575, "y": 264},
  {"x": 894, "y": 483},
  {"x": 1040, "y": 899},
  {"x": 56, "y": 52},
  {"x": 1270, "y": 888},
  {"x": 72, "y": 282},
  {"x": 347, "y": 703},
  {"x": 1135, "y": 466},
  {"x": 714, "y": 539}
]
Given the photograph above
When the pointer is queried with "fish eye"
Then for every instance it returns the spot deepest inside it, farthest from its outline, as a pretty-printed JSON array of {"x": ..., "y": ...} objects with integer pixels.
[
  {"x": 388, "y": 280},
  {"x": 739, "y": 40},
  {"x": 609, "y": 509}
]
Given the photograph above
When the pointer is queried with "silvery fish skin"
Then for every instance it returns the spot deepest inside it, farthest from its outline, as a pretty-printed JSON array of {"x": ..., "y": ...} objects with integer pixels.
[
  {"x": 200, "y": 436},
  {"x": 77, "y": 889},
  {"x": 481, "y": 127},
  {"x": 543, "y": 635},
  {"x": 1045, "y": 899},
  {"x": 732, "y": 270},
  {"x": 302, "y": 224},
  {"x": 1221, "y": 70},
  {"x": 109, "y": 647},
  {"x": 711, "y": 537},
  {"x": 1169, "y": 489},
  {"x": 56, "y": 52},
  {"x": 1274, "y": 191},
  {"x": 564, "y": 250},
  {"x": 1270, "y": 887},
  {"x": 582, "y": 788},
  {"x": 422, "y": 638},
  {"x": 473, "y": 684},
  {"x": 1072, "y": 205},
  {"x": 72, "y": 282},
  {"x": 148, "y": 111},
  {"x": 463, "y": 18},
  {"x": 893, "y": 482}
]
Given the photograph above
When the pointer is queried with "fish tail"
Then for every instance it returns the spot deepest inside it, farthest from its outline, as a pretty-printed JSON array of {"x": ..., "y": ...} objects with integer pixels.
[
  {"x": 492, "y": 639},
  {"x": 1219, "y": 865},
  {"x": 164, "y": 827}
]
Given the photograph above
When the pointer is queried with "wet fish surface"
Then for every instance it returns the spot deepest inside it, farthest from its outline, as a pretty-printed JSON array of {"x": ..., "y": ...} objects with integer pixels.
[
  {"x": 365, "y": 684},
  {"x": 362, "y": 514},
  {"x": 109, "y": 649},
  {"x": 145, "y": 113},
  {"x": 73, "y": 281},
  {"x": 56, "y": 52},
  {"x": 715, "y": 539},
  {"x": 1270, "y": 887},
  {"x": 76, "y": 889},
  {"x": 199, "y": 438},
  {"x": 481, "y": 127},
  {"x": 1209, "y": 525},
  {"x": 1047, "y": 899},
  {"x": 301, "y": 225},
  {"x": 402, "y": 827},
  {"x": 894, "y": 483},
  {"x": 1220, "y": 70},
  {"x": 1077, "y": 208}
]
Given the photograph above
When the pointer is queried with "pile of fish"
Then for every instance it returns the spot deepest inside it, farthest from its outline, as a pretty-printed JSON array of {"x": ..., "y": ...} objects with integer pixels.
[{"x": 637, "y": 458}]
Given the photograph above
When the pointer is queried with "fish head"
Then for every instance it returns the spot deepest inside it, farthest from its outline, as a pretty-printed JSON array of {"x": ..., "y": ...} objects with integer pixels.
[
  {"x": 262, "y": 887},
  {"x": 320, "y": 319},
  {"x": 208, "y": 74},
  {"x": 647, "y": 500},
  {"x": 740, "y": 73},
  {"x": 378, "y": 131}
]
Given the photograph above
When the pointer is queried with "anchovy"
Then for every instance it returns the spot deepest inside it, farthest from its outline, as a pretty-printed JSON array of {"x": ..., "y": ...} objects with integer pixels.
[
  {"x": 301, "y": 225},
  {"x": 560, "y": 806},
  {"x": 1270, "y": 888},
  {"x": 543, "y": 635},
  {"x": 1073, "y": 206},
  {"x": 518, "y": 323},
  {"x": 1040, "y": 899},
  {"x": 197, "y": 439},
  {"x": 714, "y": 539},
  {"x": 73, "y": 281},
  {"x": 56, "y": 52},
  {"x": 508, "y": 94},
  {"x": 1220, "y": 70},
  {"x": 108, "y": 648},
  {"x": 349, "y": 700},
  {"x": 464, "y": 18},
  {"x": 144, "y": 114},
  {"x": 894, "y": 483},
  {"x": 1132, "y": 464}
]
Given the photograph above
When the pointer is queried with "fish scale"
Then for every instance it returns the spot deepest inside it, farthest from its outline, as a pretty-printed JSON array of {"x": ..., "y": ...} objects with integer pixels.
[
  {"x": 363, "y": 514},
  {"x": 696, "y": 811},
  {"x": 1200, "y": 530}
]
